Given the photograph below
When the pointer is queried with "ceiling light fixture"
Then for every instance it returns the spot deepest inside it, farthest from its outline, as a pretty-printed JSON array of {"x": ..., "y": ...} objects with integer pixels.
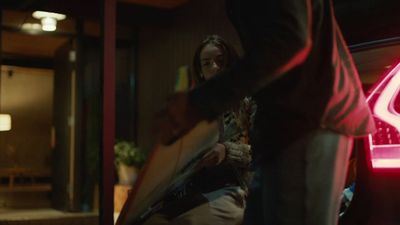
[{"x": 48, "y": 19}]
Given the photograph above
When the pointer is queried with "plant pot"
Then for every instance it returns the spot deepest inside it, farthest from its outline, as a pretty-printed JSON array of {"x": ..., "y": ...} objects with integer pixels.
[{"x": 127, "y": 174}]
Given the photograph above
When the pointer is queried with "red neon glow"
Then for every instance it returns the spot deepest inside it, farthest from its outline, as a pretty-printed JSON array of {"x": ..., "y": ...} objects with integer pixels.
[{"x": 384, "y": 145}]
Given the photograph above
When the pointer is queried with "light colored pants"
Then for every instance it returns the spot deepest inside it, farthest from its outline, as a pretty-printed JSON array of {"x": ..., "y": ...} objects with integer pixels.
[
  {"x": 223, "y": 208},
  {"x": 303, "y": 185}
]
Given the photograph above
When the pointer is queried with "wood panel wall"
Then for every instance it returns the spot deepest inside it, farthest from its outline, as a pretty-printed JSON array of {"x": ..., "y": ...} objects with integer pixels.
[{"x": 165, "y": 46}]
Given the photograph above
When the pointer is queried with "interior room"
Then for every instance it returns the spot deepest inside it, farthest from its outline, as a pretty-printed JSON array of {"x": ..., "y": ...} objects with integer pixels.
[
  {"x": 39, "y": 68},
  {"x": 51, "y": 94}
]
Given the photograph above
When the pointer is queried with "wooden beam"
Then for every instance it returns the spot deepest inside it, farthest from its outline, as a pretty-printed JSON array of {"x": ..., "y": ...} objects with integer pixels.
[
  {"x": 108, "y": 180},
  {"x": 26, "y": 61}
]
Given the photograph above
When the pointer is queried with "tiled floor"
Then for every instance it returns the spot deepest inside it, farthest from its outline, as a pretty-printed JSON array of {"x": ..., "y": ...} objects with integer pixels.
[{"x": 46, "y": 217}]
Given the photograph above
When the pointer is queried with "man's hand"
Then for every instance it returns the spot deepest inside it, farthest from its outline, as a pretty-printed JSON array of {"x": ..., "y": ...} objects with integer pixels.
[
  {"x": 175, "y": 119},
  {"x": 214, "y": 157}
]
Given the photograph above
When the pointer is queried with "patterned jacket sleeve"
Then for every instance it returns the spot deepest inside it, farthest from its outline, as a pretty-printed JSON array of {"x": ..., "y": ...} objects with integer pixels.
[
  {"x": 238, "y": 151},
  {"x": 238, "y": 155}
]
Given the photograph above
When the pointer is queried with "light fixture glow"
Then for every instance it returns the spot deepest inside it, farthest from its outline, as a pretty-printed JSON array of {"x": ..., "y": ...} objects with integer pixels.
[
  {"x": 5, "y": 122},
  {"x": 48, "y": 19},
  {"x": 32, "y": 27},
  {"x": 385, "y": 153},
  {"x": 49, "y": 24}
]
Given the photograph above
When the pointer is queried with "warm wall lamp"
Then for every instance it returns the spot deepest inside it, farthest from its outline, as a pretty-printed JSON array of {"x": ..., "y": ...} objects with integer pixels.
[
  {"x": 48, "y": 19},
  {"x": 5, "y": 122},
  {"x": 5, "y": 119}
]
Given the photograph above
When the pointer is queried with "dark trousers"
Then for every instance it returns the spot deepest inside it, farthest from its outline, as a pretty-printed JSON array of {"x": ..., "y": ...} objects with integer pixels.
[{"x": 303, "y": 184}]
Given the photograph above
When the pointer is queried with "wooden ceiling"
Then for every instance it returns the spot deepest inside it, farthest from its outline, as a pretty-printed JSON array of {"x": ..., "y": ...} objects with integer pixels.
[
  {"x": 361, "y": 20},
  {"x": 17, "y": 43},
  {"x": 167, "y": 4}
]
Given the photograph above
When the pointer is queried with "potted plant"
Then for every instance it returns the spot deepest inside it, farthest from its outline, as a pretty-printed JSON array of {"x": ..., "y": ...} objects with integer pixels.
[{"x": 128, "y": 160}]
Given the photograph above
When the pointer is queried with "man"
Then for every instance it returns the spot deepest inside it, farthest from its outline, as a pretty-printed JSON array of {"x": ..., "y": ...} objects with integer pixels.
[{"x": 310, "y": 106}]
